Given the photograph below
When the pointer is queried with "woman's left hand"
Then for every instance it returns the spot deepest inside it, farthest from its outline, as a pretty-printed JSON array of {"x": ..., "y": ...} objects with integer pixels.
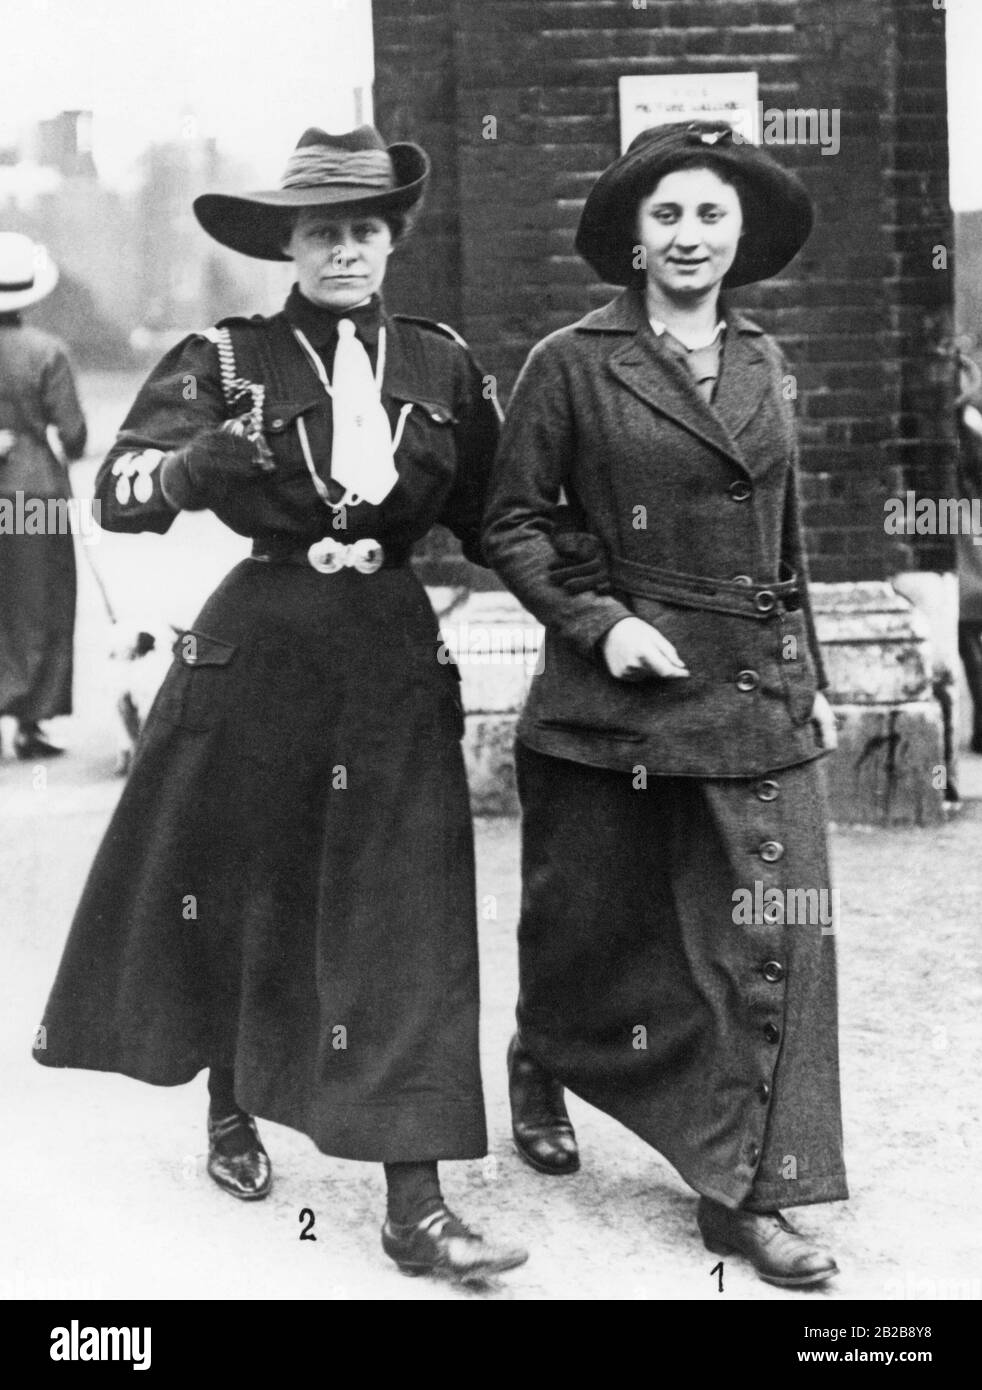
[{"x": 823, "y": 715}]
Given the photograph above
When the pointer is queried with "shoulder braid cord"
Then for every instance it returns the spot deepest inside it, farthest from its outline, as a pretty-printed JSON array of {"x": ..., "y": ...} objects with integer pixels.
[{"x": 234, "y": 387}]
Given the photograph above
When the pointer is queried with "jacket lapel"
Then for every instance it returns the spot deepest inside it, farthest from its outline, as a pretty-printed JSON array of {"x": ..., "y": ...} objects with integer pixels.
[
  {"x": 744, "y": 376},
  {"x": 663, "y": 382},
  {"x": 660, "y": 379}
]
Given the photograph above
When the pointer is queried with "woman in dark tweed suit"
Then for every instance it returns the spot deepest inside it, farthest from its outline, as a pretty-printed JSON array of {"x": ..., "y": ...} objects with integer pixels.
[{"x": 668, "y": 755}]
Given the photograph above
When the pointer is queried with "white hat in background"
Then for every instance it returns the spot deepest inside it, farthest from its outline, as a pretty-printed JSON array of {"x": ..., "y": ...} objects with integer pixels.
[{"x": 27, "y": 272}]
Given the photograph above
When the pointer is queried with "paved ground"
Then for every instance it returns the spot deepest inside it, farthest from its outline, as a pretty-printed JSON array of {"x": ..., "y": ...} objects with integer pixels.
[{"x": 104, "y": 1178}]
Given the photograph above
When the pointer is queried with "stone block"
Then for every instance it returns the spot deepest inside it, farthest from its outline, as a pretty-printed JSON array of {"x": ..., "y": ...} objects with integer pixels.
[
  {"x": 875, "y": 644},
  {"x": 889, "y": 768},
  {"x": 490, "y": 758}
]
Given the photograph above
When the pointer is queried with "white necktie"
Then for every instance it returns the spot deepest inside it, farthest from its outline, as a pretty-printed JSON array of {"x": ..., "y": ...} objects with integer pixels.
[{"x": 361, "y": 453}]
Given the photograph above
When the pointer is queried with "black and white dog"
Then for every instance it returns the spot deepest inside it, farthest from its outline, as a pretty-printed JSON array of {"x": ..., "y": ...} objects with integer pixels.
[{"x": 143, "y": 658}]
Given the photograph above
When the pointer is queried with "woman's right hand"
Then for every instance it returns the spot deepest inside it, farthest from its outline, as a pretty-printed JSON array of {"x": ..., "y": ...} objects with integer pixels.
[
  {"x": 209, "y": 468},
  {"x": 636, "y": 651},
  {"x": 218, "y": 458}
]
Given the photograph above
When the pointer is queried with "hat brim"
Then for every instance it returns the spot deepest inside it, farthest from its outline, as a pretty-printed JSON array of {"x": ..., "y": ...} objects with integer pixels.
[
  {"x": 45, "y": 279},
  {"x": 257, "y": 224},
  {"x": 777, "y": 221}
]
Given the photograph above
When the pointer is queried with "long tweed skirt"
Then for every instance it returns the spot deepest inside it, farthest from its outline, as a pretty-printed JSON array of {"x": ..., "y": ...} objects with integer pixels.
[{"x": 677, "y": 968}]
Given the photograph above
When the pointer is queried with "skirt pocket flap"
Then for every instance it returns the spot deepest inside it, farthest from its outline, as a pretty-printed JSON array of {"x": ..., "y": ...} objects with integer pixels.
[{"x": 198, "y": 649}]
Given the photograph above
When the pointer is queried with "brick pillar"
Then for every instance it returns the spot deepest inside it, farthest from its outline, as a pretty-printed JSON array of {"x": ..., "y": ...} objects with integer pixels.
[{"x": 415, "y": 99}]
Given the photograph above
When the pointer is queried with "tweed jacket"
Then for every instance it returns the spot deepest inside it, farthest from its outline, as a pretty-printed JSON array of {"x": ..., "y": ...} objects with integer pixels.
[{"x": 608, "y": 419}]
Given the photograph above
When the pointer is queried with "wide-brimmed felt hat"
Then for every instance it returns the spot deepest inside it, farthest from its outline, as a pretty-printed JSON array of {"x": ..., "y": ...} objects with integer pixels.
[
  {"x": 27, "y": 272},
  {"x": 777, "y": 208},
  {"x": 344, "y": 172}
]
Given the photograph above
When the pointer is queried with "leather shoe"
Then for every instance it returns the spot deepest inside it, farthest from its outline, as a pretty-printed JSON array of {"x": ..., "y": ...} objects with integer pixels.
[
  {"x": 236, "y": 1158},
  {"x": 31, "y": 744},
  {"x": 442, "y": 1244},
  {"x": 776, "y": 1250},
  {"x": 540, "y": 1124}
]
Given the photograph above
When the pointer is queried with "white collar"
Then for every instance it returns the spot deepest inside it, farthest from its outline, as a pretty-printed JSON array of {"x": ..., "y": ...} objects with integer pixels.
[{"x": 660, "y": 328}]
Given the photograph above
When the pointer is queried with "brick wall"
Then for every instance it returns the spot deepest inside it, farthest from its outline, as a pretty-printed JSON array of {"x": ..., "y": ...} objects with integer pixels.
[
  {"x": 416, "y": 99},
  {"x": 862, "y": 312}
]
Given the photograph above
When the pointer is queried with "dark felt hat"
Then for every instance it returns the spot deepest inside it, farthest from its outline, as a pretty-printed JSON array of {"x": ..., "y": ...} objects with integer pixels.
[
  {"x": 345, "y": 172},
  {"x": 777, "y": 208}
]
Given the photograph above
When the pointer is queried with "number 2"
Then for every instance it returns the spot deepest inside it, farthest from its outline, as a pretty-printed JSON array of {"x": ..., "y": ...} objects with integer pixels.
[{"x": 308, "y": 1231}]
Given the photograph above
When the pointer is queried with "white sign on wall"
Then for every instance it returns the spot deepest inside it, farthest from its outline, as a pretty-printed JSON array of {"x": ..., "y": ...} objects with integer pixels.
[{"x": 709, "y": 96}]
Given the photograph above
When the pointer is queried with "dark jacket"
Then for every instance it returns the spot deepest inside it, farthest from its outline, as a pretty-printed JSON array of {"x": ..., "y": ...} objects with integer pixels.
[
  {"x": 426, "y": 366},
  {"x": 607, "y": 416}
]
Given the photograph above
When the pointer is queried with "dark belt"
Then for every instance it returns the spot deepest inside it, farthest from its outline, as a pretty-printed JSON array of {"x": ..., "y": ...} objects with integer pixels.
[
  {"x": 392, "y": 556},
  {"x": 740, "y": 597}
]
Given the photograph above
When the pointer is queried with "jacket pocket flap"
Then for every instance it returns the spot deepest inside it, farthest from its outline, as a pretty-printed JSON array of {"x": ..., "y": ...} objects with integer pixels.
[
  {"x": 280, "y": 415},
  {"x": 440, "y": 412},
  {"x": 198, "y": 649}
]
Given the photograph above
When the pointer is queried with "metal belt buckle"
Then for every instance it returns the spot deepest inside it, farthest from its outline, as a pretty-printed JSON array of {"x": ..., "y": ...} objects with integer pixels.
[
  {"x": 328, "y": 556},
  {"x": 366, "y": 556}
]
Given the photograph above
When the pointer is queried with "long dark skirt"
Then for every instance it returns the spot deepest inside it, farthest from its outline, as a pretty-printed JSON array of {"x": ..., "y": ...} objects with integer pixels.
[
  {"x": 287, "y": 885},
  {"x": 652, "y": 986},
  {"x": 37, "y": 623}
]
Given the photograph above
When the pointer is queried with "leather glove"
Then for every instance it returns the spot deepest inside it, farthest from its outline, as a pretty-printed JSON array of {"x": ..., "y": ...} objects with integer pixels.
[
  {"x": 581, "y": 564},
  {"x": 213, "y": 464}
]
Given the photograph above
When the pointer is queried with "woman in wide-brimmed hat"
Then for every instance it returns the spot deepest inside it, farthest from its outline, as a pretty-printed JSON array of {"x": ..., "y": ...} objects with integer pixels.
[
  {"x": 676, "y": 949},
  {"x": 285, "y": 895},
  {"x": 37, "y": 570}
]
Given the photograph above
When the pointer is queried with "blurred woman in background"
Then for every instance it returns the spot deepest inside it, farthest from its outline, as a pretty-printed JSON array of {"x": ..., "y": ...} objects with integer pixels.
[{"x": 37, "y": 567}]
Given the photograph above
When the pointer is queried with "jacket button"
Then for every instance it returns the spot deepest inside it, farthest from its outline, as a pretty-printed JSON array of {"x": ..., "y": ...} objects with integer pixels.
[
  {"x": 768, "y": 790},
  {"x": 772, "y": 971},
  {"x": 763, "y": 1091},
  {"x": 765, "y": 601},
  {"x": 773, "y": 914},
  {"x": 742, "y": 579},
  {"x": 771, "y": 851},
  {"x": 772, "y": 1032},
  {"x": 740, "y": 490},
  {"x": 747, "y": 680},
  {"x": 753, "y": 1153},
  {"x": 276, "y": 424}
]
